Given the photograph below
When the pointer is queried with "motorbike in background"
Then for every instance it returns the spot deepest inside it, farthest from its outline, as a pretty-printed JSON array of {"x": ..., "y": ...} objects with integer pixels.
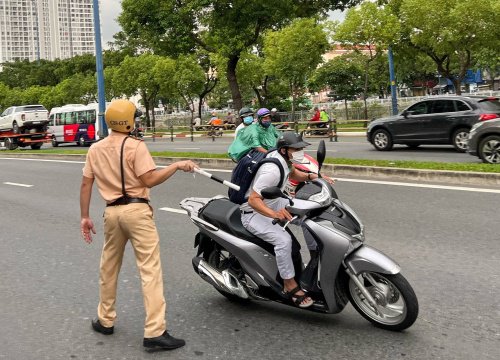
[{"x": 242, "y": 267}]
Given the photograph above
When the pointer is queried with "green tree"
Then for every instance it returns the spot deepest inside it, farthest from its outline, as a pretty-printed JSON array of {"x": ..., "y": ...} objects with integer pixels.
[
  {"x": 137, "y": 75},
  {"x": 189, "y": 79},
  {"x": 344, "y": 76},
  {"x": 227, "y": 28},
  {"x": 293, "y": 54},
  {"x": 371, "y": 28},
  {"x": 454, "y": 35}
]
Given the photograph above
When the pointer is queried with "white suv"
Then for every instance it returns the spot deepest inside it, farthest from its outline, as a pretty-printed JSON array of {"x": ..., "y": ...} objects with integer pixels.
[{"x": 21, "y": 118}]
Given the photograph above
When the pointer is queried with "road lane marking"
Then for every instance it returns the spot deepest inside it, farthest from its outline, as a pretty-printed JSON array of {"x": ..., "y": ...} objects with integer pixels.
[
  {"x": 174, "y": 210},
  {"x": 376, "y": 182},
  {"x": 428, "y": 186},
  {"x": 46, "y": 160},
  {"x": 17, "y": 184}
]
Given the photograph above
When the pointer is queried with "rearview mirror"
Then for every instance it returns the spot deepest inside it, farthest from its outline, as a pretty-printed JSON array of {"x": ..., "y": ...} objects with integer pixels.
[
  {"x": 320, "y": 155},
  {"x": 407, "y": 113},
  {"x": 272, "y": 192}
]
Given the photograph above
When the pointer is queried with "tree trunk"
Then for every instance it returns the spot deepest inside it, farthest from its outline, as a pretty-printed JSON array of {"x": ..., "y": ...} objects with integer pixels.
[
  {"x": 146, "y": 106},
  {"x": 259, "y": 97},
  {"x": 200, "y": 104},
  {"x": 457, "y": 82},
  {"x": 233, "y": 82},
  {"x": 346, "y": 111},
  {"x": 296, "y": 126}
]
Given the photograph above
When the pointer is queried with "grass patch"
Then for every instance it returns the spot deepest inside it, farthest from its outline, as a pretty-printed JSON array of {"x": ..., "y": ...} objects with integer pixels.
[
  {"x": 476, "y": 167},
  {"x": 421, "y": 165}
]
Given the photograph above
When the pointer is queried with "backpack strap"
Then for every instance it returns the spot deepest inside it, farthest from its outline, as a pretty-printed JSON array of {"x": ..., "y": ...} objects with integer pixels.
[{"x": 278, "y": 164}]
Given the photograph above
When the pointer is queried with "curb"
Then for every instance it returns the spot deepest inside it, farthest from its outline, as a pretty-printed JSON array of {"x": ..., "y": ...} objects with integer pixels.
[{"x": 372, "y": 172}]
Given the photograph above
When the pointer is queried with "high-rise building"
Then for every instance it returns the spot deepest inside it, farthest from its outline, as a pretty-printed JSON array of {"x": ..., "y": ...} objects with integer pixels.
[{"x": 45, "y": 29}]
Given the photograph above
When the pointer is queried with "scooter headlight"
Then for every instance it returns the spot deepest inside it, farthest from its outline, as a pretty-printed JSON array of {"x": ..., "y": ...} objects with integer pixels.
[{"x": 324, "y": 197}]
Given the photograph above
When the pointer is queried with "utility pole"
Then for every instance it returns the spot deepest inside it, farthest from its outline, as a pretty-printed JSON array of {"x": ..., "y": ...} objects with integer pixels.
[
  {"x": 100, "y": 74},
  {"x": 392, "y": 77}
]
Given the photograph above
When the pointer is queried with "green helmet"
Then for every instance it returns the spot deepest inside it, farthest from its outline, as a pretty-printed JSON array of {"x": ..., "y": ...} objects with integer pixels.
[{"x": 245, "y": 111}]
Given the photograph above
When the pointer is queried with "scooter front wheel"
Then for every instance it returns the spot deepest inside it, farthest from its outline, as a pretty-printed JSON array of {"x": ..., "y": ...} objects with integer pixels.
[{"x": 396, "y": 303}]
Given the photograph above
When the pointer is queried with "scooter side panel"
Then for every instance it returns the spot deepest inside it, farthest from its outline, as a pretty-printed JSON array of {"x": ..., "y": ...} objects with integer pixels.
[
  {"x": 367, "y": 258},
  {"x": 332, "y": 255},
  {"x": 257, "y": 262}
]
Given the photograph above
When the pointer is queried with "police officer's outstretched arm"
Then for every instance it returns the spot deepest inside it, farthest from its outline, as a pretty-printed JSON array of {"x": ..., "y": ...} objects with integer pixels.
[{"x": 157, "y": 176}]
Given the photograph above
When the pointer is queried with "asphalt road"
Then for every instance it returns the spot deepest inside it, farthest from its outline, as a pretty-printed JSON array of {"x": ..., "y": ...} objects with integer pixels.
[
  {"x": 446, "y": 242},
  {"x": 354, "y": 147}
]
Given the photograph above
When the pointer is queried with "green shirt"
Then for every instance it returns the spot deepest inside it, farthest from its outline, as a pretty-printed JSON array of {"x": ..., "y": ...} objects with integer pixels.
[{"x": 251, "y": 137}]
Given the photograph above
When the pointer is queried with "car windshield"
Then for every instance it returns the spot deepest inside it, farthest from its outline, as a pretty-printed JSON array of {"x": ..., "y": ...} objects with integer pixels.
[
  {"x": 30, "y": 108},
  {"x": 490, "y": 105}
]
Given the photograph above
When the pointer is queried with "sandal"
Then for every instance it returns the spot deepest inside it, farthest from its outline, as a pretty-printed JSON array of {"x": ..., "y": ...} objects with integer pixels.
[{"x": 298, "y": 299}]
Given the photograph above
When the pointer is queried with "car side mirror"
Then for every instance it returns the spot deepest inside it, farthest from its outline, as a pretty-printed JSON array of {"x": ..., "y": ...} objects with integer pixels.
[{"x": 407, "y": 113}]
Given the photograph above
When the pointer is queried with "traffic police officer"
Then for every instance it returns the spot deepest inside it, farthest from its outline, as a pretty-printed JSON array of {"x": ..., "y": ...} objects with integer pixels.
[{"x": 124, "y": 172}]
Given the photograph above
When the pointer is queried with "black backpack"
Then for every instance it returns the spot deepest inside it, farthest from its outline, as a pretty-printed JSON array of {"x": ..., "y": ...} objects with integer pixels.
[{"x": 245, "y": 171}]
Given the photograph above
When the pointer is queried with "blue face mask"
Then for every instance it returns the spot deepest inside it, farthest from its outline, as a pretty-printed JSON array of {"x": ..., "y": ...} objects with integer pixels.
[
  {"x": 248, "y": 120},
  {"x": 265, "y": 124}
]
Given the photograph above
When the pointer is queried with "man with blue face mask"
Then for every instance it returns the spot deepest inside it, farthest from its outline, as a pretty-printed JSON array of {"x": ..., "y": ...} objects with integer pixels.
[
  {"x": 246, "y": 117},
  {"x": 260, "y": 136}
]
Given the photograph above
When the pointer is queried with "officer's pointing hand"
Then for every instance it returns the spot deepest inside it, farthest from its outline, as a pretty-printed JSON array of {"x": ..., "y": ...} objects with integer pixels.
[{"x": 187, "y": 165}]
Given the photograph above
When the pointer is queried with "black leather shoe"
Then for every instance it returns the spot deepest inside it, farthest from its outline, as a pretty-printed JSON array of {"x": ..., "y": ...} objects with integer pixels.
[
  {"x": 165, "y": 342},
  {"x": 96, "y": 325}
]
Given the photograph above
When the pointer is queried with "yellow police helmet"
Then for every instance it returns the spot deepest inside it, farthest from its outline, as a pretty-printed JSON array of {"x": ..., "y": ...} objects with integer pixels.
[{"x": 120, "y": 116}]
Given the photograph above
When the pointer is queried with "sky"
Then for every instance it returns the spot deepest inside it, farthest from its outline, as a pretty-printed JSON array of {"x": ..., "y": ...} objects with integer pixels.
[{"x": 110, "y": 9}]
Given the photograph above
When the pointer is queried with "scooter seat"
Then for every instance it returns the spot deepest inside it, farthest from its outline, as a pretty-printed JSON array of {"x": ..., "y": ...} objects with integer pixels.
[{"x": 226, "y": 215}]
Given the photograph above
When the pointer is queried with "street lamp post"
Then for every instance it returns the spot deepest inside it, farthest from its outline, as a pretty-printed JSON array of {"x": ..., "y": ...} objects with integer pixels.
[
  {"x": 392, "y": 76},
  {"x": 100, "y": 74}
]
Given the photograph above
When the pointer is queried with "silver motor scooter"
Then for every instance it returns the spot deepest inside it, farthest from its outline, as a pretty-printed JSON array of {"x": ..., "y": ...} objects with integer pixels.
[{"x": 243, "y": 267}]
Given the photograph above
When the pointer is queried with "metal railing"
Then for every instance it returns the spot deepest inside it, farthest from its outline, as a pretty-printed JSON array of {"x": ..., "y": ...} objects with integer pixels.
[{"x": 328, "y": 129}]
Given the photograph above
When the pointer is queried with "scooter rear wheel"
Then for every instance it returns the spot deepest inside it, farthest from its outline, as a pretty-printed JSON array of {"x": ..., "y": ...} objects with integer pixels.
[
  {"x": 397, "y": 304},
  {"x": 219, "y": 259}
]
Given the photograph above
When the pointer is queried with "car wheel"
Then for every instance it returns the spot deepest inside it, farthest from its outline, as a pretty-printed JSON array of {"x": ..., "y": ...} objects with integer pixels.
[
  {"x": 10, "y": 144},
  {"x": 36, "y": 146},
  {"x": 15, "y": 128},
  {"x": 459, "y": 139},
  {"x": 54, "y": 142},
  {"x": 81, "y": 141},
  {"x": 382, "y": 140},
  {"x": 489, "y": 149}
]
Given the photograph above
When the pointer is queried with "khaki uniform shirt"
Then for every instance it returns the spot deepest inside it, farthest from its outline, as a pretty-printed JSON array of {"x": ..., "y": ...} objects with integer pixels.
[{"x": 103, "y": 164}]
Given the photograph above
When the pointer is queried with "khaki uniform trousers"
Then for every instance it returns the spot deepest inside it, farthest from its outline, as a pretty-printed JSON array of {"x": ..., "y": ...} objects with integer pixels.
[{"x": 132, "y": 222}]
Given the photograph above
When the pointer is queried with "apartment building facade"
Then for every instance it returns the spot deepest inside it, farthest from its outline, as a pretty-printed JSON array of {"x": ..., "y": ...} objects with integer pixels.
[{"x": 45, "y": 29}]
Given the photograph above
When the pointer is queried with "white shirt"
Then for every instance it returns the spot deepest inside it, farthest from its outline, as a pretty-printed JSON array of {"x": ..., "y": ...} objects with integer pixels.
[
  {"x": 238, "y": 128},
  {"x": 268, "y": 175}
]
